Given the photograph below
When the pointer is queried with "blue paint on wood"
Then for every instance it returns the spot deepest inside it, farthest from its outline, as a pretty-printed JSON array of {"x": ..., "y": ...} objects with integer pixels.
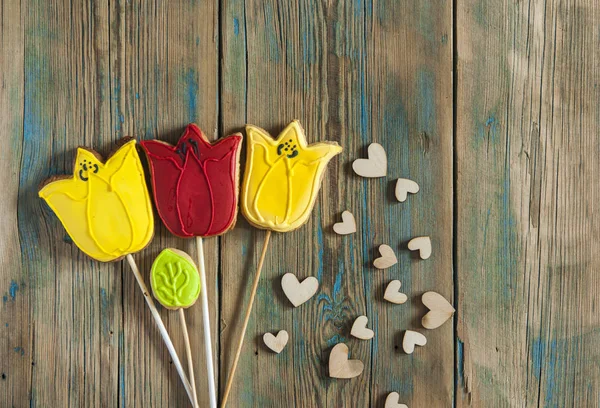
[
  {"x": 191, "y": 94},
  {"x": 122, "y": 370},
  {"x": 6, "y": 324},
  {"x": 12, "y": 291},
  {"x": 426, "y": 90},
  {"x": 236, "y": 26},
  {"x": 308, "y": 50},
  {"x": 320, "y": 246},
  {"x": 460, "y": 357},
  {"x": 4, "y": 298},
  {"x": 271, "y": 33},
  {"x": 19, "y": 350}
]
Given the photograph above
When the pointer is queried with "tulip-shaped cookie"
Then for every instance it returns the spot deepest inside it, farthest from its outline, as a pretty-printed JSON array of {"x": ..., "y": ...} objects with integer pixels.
[
  {"x": 105, "y": 207},
  {"x": 283, "y": 177},
  {"x": 176, "y": 285},
  {"x": 281, "y": 184},
  {"x": 195, "y": 187},
  {"x": 195, "y": 183}
]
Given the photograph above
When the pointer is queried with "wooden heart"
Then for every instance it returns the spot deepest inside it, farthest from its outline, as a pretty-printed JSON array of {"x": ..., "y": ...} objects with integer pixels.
[
  {"x": 387, "y": 259},
  {"x": 340, "y": 366},
  {"x": 392, "y": 293},
  {"x": 375, "y": 165},
  {"x": 360, "y": 330},
  {"x": 412, "y": 338},
  {"x": 421, "y": 244},
  {"x": 297, "y": 292},
  {"x": 440, "y": 310},
  {"x": 347, "y": 226},
  {"x": 392, "y": 401},
  {"x": 405, "y": 186},
  {"x": 276, "y": 343}
]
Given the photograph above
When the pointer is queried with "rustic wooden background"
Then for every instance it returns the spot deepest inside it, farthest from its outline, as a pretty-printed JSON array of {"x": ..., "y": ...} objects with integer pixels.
[{"x": 493, "y": 106}]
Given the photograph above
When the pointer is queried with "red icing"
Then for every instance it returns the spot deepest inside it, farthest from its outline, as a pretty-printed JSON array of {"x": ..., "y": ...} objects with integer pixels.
[{"x": 195, "y": 182}]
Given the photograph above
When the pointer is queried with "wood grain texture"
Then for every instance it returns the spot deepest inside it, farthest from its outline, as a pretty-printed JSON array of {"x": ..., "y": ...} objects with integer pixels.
[
  {"x": 335, "y": 66},
  {"x": 164, "y": 62},
  {"x": 74, "y": 332},
  {"x": 527, "y": 199}
]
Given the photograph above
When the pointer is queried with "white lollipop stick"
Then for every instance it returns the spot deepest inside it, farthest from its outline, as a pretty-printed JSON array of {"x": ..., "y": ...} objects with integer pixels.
[
  {"x": 206, "y": 324},
  {"x": 161, "y": 327}
]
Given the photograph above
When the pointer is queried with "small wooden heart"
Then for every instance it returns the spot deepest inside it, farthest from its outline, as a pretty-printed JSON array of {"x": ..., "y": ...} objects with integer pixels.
[
  {"x": 421, "y": 244},
  {"x": 375, "y": 165},
  {"x": 392, "y": 293},
  {"x": 276, "y": 343},
  {"x": 392, "y": 401},
  {"x": 347, "y": 226},
  {"x": 387, "y": 259},
  {"x": 360, "y": 330},
  {"x": 340, "y": 366},
  {"x": 297, "y": 292},
  {"x": 440, "y": 310},
  {"x": 405, "y": 186},
  {"x": 412, "y": 338}
]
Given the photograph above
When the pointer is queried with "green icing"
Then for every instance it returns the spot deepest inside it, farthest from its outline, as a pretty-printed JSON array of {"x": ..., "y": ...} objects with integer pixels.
[{"x": 174, "y": 279}]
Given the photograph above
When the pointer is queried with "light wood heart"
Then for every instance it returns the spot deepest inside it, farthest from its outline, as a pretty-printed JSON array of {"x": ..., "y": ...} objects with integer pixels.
[
  {"x": 360, "y": 330},
  {"x": 387, "y": 259},
  {"x": 340, "y": 366},
  {"x": 421, "y": 244},
  {"x": 440, "y": 310},
  {"x": 392, "y": 293},
  {"x": 276, "y": 343},
  {"x": 297, "y": 292},
  {"x": 405, "y": 186},
  {"x": 375, "y": 165},
  {"x": 347, "y": 226},
  {"x": 412, "y": 338},
  {"x": 392, "y": 401}
]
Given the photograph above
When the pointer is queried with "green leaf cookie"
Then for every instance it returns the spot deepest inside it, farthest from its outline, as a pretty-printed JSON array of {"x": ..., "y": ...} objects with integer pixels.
[{"x": 174, "y": 279}]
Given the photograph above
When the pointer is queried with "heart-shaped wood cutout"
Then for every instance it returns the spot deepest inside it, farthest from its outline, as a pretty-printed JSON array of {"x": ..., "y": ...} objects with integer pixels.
[
  {"x": 297, "y": 292},
  {"x": 360, "y": 330},
  {"x": 276, "y": 343},
  {"x": 421, "y": 244},
  {"x": 347, "y": 226},
  {"x": 412, "y": 338},
  {"x": 387, "y": 259},
  {"x": 405, "y": 186},
  {"x": 340, "y": 366},
  {"x": 375, "y": 165},
  {"x": 392, "y": 293},
  {"x": 392, "y": 401},
  {"x": 440, "y": 310}
]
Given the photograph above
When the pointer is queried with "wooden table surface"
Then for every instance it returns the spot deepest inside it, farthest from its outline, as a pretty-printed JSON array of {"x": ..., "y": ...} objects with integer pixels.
[{"x": 492, "y": 106}]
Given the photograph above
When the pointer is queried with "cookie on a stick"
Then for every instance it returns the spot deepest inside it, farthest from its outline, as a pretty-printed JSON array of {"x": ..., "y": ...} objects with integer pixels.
[
  {"x": 281, "y": 184},
  {"x": 195, "y": 186},
  {"x": 106, "y": 209}
]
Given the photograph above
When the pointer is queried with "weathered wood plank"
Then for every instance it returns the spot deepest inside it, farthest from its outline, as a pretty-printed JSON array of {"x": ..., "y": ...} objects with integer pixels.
[
  {"x": 164, "y": 63},
  {"x": 527, "y": 150},
  {"x": 15, "y": 318},
  {"x": 65, "y": 67},
  {"x": 409, "y": 83},
  {"x": 335, "y": 67}
]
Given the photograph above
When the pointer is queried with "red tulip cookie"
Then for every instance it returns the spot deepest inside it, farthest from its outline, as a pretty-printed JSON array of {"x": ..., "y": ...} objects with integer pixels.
[{"x": 195, "y": 183}]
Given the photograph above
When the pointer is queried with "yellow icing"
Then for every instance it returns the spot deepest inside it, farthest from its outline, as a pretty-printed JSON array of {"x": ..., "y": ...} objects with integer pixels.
[
  {"x": 281, "y": 186},
  {"x": 105, "y": 207}
]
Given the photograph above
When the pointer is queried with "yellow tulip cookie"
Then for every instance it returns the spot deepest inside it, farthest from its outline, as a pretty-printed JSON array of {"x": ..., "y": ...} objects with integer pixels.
[
  {"x": 283, "y": 177},
  {"x": 104, "y": 206}
]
